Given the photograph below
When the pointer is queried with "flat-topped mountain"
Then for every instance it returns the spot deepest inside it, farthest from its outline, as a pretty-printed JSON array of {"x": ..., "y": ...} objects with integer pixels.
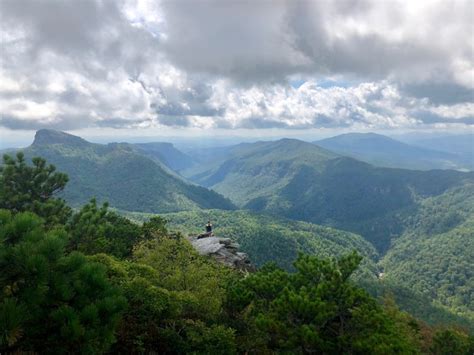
[
  {"x": 121, "y": 174},
  {"x": 45, "y": 137}
]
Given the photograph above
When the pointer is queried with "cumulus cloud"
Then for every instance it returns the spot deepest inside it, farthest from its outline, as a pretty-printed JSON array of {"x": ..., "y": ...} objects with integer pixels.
[{"x": 234, "y": 64}]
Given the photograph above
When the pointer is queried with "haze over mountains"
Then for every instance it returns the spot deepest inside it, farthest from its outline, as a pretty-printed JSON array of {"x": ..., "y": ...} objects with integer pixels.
[
  {"x": 462, "y": 144},
  {"x": 384, "y": 151}
]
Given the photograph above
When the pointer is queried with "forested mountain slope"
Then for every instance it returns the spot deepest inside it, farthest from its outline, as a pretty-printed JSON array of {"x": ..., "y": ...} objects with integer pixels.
[
  {"x": 250, "y": 171},
  {"x": 435, "y": 255},
  {"x": 384, "y": 151},
  {"x": 166, "y": 154},
  {"x": 301, "y": 181},
  {"x": 120, "y": 174},
  {"x": 92, "y": 281},
  {"x": 272, "y": 239}
]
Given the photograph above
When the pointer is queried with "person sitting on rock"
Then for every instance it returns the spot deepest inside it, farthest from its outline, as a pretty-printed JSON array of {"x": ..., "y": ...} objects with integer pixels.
[{"x": 209, "y": 228}]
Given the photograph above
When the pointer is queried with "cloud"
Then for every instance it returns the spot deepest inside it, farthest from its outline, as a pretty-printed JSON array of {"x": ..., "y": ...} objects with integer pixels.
[
  {"x": 373, "y": 105},
  {"x": 251, "y": 41},
  {"x": 231, "y": 64},
  {"x": 440, "y": 92}
]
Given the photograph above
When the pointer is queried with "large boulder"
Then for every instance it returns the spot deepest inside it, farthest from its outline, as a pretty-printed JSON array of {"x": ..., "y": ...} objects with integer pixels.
[{"x": 223, "y": 250}]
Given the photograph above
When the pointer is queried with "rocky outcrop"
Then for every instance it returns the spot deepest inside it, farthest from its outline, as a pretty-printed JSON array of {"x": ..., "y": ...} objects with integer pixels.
[{"x": 224, "y": 250}]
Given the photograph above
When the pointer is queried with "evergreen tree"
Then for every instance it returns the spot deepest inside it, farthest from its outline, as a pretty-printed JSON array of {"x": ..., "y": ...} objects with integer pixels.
[
  {"x": 315, "y": 310},
  {"x": 452, "y": 341},
  {"x": 33, "y": 188},
  {"x": 97, "y": 230},
  {"x": 50, "y": 301}
]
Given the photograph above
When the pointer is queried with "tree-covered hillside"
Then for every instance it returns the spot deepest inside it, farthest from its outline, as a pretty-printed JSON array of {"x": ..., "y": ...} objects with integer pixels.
[
  {"x": 120, "y": 174},
  {"x": 166, "y": 154},
  {"x": 250, "y": 171},
  {"x": 271, "y": 239},
  {"x": 435, "y": 255},
  {"x": 91, "y": 281},
  {"x": 301, "y": 181}
]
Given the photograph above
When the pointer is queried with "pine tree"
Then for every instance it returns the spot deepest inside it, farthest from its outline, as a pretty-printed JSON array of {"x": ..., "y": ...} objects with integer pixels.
[
  {"x": 33, "y": 188},
  {"x": 51, "y": 301},
  {"x": 315, "y": 310}
]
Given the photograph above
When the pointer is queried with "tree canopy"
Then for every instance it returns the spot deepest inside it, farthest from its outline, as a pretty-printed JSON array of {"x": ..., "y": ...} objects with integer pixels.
[
  {"x": 93, "y": 281},
  {"x": 33, "y": 188},
  {"x": 51, "y": 301}
]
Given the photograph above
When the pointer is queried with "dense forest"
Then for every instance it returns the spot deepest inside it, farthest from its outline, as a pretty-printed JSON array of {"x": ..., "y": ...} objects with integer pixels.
[
  {"x": 301, "y": 181},
  {"x": 127, "y": 176},
  {"x": 271, "y": 239},
  {"x": 88, "y": 280},
  {"x": 435, "y": 255}
]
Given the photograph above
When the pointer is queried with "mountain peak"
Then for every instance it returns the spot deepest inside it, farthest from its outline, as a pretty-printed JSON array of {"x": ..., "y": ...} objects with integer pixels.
[{"x": 51, "y": 136}]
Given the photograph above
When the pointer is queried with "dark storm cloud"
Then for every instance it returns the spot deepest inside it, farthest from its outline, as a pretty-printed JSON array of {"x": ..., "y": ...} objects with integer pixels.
[
  {"x": 240, "y": 39},
  {"x": 60, "y": 25},
  {"x": 193, "y": 101},
  {"x": 369, "y": 55}
]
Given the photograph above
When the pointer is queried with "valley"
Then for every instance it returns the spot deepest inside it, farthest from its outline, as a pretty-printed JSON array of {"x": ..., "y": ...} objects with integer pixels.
[{"x": 413, "y": 228}]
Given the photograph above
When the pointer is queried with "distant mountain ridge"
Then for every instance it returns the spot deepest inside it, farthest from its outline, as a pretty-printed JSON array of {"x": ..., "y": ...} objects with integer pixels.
[
  {"x": 387, "y": 152},
  {"x": 167, "y": 154},
  {"x": 458, "y": 144},
  {"x": 121, "y": 174}
]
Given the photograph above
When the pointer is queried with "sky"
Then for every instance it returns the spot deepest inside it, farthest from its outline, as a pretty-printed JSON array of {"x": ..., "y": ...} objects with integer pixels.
[{"x": 119, "y": 68}]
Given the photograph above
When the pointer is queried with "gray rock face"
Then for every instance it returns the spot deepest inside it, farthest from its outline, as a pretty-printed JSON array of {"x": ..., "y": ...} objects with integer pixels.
[{"x": 223, "y": 250}]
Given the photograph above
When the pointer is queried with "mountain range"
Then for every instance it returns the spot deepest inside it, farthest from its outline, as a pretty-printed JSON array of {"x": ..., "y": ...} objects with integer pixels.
[
  {"x": 414, "y": 227},
  {"x": 462, "y": 144},
  {"x": 383, "y": 151},
  {"x": 123, "y": 174},
  {"x": 302, "y": 181}
]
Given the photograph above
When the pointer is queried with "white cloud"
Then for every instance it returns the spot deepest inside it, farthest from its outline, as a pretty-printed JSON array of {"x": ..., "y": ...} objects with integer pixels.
[{"x": 227, "y": 64}]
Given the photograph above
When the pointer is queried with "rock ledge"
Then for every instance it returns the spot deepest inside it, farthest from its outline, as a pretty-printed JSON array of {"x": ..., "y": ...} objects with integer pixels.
[{"x": 224, "y": 250}]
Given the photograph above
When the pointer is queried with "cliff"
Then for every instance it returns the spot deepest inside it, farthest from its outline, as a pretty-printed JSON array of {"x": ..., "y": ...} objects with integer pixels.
[{"x": 224, "y": 250}]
